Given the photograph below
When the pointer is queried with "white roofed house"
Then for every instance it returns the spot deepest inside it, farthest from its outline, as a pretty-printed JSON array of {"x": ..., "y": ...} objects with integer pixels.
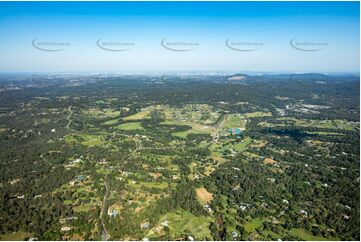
[{"x": 65, "y": 228}]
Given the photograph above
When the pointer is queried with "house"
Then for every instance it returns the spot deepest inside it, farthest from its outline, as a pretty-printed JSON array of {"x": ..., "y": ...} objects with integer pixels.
[
  {"x": 207, "y": 207},
  {"x": 190, "y": 238},
  {"x": 77, "y": 160},
  {"x": 303, "y": 212},
  {"x": 112, "y": 213},
  {"x": 244, "y": 206},
  {"x": 80, "y": 178},
  {"x": 264, "y": 205},
  {"x": 65, "y": 228},
  {"x": 64, "y": 220},
  {"x": 235, "y": 131},
  {"x": 144, "y": 225},
  {"x": 165, "y": 223},
  {"x": 12, "y": 182},
  {"x": 234, "y": 234}
]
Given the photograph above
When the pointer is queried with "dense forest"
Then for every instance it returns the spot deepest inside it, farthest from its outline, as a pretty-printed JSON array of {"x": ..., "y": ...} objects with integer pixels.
[{"x": 170, "y": 157}]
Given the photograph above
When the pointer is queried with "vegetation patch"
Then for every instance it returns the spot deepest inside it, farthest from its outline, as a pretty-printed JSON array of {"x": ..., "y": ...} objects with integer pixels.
[
  {"x": 140, "y": 115},
  {"x": 181, "y": 222},
  {"x": 235, "y": 121},
  {"x": 252, "y": 225},
  {"x": 131, "y": 126},
  {"x": 110, "y": 122},
  {"x": 258, "y": 114},
  {"x": 269, "y": 161},
  {"x": 204, "y": 195},
  {"x": 303, "y": 234},
  {"x": 89, "y": 140},
  {"x": 16, "y": 236}
]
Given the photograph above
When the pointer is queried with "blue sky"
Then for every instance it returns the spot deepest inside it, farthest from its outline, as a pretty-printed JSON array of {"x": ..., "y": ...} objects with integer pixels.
[{"x": 270, "y": 25}]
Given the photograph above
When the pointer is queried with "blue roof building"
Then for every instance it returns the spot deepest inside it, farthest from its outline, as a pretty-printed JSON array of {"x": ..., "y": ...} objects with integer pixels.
[{"x": 235, "y": 131}]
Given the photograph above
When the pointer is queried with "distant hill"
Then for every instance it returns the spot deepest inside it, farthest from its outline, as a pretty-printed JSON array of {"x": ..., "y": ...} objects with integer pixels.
[{"x": 239, "y": 77}]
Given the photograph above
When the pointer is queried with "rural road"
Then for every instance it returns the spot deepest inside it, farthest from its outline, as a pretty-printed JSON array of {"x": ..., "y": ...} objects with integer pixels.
[
  {"x": 105, "y": 235},
  {"x": 68, "y": 118},
  {"x": 215, "y": 135}
]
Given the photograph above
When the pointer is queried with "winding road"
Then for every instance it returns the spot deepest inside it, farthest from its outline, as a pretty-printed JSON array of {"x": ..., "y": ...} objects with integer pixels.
[
  {"x": 215, "y": 135},
  {"x": 68, "y": 118},
  {"x": 105, "y": 234}
]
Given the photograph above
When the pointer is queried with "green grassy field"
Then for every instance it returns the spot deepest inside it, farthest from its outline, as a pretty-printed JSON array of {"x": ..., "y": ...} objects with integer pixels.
[
  {"x": 253, "y": 225},
  {"x": 258, "y": 114},
  {"x": 84, "y": 208},
  {"x": 195, "y": 113},
  {"x": 242, "y": 145},
  {"x": 16, "y": 236},
  {"x": 89, "y": 140},
  {"x": 130, "y": 126},
  {"x": 110, "y": 122},
  {"x": 102, "y": 113},
  {"x": 140, "y": 115},
  {"x": 92, "y": 141},
  {"x": 138, "y": 185},
  {"x": 196, "y": 129},
  {"x": 238, "y": 147},
  {"x": 338, "y": 124},
  {"x": 181, "y": 221},
  {"x": 307, "y": 235},
  {"x": 234, "y": 121}
]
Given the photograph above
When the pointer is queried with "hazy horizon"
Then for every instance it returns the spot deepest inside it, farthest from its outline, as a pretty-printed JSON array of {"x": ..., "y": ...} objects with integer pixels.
[{"x": 257, "y": 37}]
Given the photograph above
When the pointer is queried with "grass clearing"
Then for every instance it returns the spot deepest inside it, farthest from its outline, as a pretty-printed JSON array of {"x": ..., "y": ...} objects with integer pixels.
[
  {"x": 102, "y": 113},
  {"x": 325, "y": 133},
  {"x": 196, "y": 129},
  {"x": 204, "y": 195},
  {"x": 243, "y": 145},
  {"x": 253, "y": 225},
  {"x": 258, "y": 114},
  {"x": 307, "y": 235},
  {"x": 269, "y": 161},
  {"x": 110, "y": 122},
  {"x": 94, "y": 141},
  {"x": 15, "y": 236},
  {"x": 103, "y": 171},
  {"x": 131, "y": 126},
  {"x": 194, "y": 113},
  {"x": 181, "y": 221},
  {"x": 337, "y": 124},
  {"x": 140, "y": 115},
  {"x": 89, "y": 140},
  {"x": 139, "y": 185},
  {"x": 84, "y": 208},
  {"x": 234, "y": 121}
]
